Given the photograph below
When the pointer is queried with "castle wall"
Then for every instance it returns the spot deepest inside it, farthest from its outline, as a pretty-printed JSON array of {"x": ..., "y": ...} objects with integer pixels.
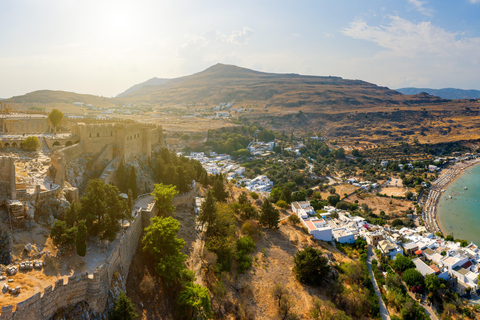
[
  {"x": 92, "y": 288},
  {"x": 7, "y": 178}
]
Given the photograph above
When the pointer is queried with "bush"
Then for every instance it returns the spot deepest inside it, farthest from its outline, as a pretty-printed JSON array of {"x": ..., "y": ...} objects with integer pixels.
[
  {"x": 254, "y": 195},
  {"x": 294, "y": 219},
  {"x": 245, "y": 246},
  {"x": 281, "y": 204},
  {"x": 310, "y": 266},
  {"x": 30, "y": 143},
  {"x": 250, "y": 227}
]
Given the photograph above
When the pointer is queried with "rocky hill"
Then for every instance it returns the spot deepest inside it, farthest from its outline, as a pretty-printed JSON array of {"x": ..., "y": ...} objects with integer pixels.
[
  {"x": 151, "y": 82},
  {"x": 223, "y": 83},
  {"x": 446, "y": 93}
]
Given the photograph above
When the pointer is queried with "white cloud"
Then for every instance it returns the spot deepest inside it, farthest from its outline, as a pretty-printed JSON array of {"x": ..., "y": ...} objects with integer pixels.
[
  {"x": 474, "y": 1},
  {"x": 418, "y": 5},
  {"x": 405, "y": 38},
  {"x": 415, "y": 54}
]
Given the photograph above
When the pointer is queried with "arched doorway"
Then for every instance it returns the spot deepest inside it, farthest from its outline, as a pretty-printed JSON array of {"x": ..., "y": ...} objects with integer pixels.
[
  {"x": 7, "y": 145},
  {"x": 68, "y": 144},
  {"x": 56, "y": 144},
  {"x": 14, "y": 145}
]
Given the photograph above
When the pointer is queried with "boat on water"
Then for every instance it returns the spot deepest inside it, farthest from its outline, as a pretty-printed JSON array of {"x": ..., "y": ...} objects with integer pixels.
[
  {"x": 450, "y": 196},
  {"x": 465, "y": 188}
]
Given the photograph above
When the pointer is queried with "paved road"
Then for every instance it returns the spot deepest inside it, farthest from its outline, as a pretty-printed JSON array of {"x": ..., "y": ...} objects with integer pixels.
[
  {"x": 428, "y": 310},
  {"x": 383, "y": 308}
]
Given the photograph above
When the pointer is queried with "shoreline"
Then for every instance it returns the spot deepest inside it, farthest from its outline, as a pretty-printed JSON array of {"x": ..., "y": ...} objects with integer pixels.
[{"x": 430, "y": 210}]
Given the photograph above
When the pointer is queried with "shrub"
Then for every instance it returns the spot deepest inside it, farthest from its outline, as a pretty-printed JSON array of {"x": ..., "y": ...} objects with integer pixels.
[
  {"x": 245, "y": 246},
  {"x": 254, "y": 195},
  {"x": 30, "y": 143},
  {"x": 250, "y": 227},
  {"x": 281, "y": 204},
  {"x": 294, "y": 219},
  {"x": 310, "y": 266}
]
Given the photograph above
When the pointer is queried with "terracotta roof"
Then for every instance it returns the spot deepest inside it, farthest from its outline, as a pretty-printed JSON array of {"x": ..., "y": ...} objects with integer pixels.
[
  {"x": 310, "y": 225},
  {"x": 434, "y": 268},
  {"x": 467, "y": 264}
]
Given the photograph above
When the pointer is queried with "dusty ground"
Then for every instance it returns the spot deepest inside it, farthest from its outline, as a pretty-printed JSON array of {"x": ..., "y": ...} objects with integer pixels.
[
  {"x": 377, "y": 204},
  {"x": 340, "y": 189},
  {"x": 395, "y": 191}
]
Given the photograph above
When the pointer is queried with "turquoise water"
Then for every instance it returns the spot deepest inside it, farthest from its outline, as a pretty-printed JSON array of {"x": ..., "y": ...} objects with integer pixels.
[{"x": 460, "y": 215}]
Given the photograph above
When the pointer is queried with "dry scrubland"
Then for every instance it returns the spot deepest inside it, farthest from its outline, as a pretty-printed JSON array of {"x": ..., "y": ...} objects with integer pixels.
[{"x": 250, "y": 292}]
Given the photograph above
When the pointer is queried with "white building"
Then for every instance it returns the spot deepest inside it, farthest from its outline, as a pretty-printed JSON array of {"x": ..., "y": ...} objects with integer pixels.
[{"x": 319, "y": 229}]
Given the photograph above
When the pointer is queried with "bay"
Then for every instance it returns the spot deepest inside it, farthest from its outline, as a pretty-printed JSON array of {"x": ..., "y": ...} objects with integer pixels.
[{"x": 459, "y": 207}]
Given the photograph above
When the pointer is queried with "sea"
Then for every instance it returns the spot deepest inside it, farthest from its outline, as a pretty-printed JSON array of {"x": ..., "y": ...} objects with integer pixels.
[{"x": 459, "y": 207}]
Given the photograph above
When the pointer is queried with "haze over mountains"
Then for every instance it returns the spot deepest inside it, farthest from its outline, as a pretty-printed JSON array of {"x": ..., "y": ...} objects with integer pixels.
[
  {"x": 152, "y": 82},
  {"x": 446, "y": 93}
]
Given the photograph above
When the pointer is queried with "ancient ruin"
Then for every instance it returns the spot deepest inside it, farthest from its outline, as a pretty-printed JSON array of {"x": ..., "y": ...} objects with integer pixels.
[{"x": 36, "y": 187}]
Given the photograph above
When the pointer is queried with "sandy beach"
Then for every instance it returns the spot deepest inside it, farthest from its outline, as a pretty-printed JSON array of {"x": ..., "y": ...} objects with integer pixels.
[{"x": 446, "y": 177}]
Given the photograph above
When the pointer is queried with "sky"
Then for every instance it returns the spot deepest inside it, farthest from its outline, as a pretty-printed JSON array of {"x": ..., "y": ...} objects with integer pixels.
[{"x": 103, "y": 47}]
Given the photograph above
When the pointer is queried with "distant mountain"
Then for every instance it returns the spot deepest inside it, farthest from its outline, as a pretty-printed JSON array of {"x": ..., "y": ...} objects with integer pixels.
[
  {"x": 49, "y": 97},
  {"x": 446, "y": 93},
  {"x": 151, "y": 82},
  {"x": 224, "y": 83}
]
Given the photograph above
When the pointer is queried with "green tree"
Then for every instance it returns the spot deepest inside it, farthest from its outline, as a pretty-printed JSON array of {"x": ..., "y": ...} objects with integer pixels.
[
  {"x": 161, "y": 241},
  {"x": 132, "y": 182},
  {"x": 123, "y": 309},
  {"x": 195, "y": 303},
  {"x": 30, "y": 143},
  {"x": 221, "y": 236},
  {"x": 269, "y": 216},
  {"x": 299, "y": 196},
  {"x": 333, "y": 199},
  {"x": 55, "y": 117},
  {"x": 287, "y": 194},
  {"x": 310, "y": 266},
  {"x": 103, "y": 209},
  {"x": 164, "y": 195},
  {"x": 219, "y": 189},
  {"x": 71, "y": 214},
  {"x": 208, "y": 209},
  {"x": 242, "y": 198},
  {"x": 61, "y": 235},
  {"x": 402, "y": 263},
  {"x": 432, "y": 282},
  {"x": 81, "y": 242},
  {"x": 413, "y": 278},
  {"x": 122, "y": 178}
]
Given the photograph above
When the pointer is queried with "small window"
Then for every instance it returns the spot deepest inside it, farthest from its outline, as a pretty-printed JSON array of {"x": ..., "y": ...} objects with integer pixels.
[
  {"x": 90, "y": 134},
  {"x": 98, "y": 134},
  {"x": 111, "y": 133}
]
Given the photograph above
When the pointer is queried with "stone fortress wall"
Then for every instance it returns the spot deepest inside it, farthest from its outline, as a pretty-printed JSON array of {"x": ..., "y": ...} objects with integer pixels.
[
  {"x": 7, "y": 179},
  {"x": 92, "y": 288},
  {"x": 107, "y": 141}
]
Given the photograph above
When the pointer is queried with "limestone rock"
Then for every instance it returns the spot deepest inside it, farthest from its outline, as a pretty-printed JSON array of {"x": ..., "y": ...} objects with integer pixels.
[{"x": 28, "y": 247}]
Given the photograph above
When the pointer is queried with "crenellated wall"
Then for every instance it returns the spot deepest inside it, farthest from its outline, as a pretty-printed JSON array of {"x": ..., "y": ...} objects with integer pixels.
[{"x": 92, "y": 288}]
